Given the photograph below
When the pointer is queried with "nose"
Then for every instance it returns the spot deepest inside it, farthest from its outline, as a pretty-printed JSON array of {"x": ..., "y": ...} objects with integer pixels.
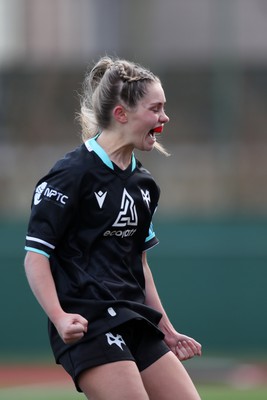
[{"x": 164, "y": 118}]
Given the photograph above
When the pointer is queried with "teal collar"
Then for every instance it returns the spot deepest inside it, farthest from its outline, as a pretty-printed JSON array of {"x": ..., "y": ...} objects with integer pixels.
[{"x": 92, "y": 144}]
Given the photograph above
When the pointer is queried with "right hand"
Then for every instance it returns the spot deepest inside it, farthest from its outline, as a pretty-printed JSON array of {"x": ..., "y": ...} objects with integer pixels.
[{"x": 71, "y": 327}]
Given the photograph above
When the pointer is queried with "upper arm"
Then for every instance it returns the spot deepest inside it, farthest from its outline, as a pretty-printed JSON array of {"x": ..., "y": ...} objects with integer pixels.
[
  {"x": 146, "y": 269},
  {"x": 144, "y": 260},
  {"x": 33, "y": 260}
]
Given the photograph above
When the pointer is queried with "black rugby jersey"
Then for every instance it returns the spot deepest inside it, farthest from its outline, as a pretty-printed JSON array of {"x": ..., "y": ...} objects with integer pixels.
[{"x": 94, "y": 220}]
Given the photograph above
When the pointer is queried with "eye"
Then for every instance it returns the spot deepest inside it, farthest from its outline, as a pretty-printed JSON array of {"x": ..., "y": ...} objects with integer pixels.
[{"x": 158, "y": 109}]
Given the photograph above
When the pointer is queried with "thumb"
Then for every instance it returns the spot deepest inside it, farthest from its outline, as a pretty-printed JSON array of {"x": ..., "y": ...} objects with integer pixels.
[{"x": 81, "y": 320}]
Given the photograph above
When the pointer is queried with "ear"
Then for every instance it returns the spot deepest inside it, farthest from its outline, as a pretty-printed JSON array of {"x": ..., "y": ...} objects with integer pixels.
[{"x": 120, "y": 114}]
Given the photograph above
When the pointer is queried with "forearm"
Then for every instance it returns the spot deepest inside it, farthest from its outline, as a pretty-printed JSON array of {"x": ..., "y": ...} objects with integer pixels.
[
  {"x": 153, "y": 299},
  {"x": 184, "y": 347},
  {"x": 38, "y": 272}
]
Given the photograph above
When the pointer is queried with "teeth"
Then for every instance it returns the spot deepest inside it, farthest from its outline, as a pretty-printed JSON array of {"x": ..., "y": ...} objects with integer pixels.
[{"x": 151, "y": 134}]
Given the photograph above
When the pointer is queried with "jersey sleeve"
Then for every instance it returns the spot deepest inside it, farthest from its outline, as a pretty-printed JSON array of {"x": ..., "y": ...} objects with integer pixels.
[
  {"x": 53, "y": 207},
  {"x": 151, "y": 239}
]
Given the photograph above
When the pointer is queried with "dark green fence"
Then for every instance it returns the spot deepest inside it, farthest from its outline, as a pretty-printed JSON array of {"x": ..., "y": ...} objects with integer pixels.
[{"x": 211, "y": 276}]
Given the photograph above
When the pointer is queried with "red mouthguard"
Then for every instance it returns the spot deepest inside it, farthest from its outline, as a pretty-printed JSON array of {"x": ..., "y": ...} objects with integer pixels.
[{"x": 158, "y": 129}]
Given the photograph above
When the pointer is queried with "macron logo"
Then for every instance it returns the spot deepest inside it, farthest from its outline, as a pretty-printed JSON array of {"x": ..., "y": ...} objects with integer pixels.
[{"x": 100, "y": 197}]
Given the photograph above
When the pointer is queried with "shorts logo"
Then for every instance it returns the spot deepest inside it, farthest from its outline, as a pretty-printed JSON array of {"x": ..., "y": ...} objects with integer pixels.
[
  {"x": 127, "y": 215},
  {"x": 44, "y": 191},
  {"x": 118, "y": 340}
]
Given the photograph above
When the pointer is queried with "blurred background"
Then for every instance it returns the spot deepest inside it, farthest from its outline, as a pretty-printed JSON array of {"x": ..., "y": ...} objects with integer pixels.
[{"x": 211, "y": 56}]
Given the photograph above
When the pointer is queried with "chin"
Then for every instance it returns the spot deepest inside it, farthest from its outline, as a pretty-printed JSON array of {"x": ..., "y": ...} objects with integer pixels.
[{"x": 148, "y": 149}]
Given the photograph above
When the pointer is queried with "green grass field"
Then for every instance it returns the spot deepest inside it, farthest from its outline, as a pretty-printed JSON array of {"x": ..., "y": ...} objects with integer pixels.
[
  {"x": 227, "y": 393},
  {"x": 206, "y": 392}
]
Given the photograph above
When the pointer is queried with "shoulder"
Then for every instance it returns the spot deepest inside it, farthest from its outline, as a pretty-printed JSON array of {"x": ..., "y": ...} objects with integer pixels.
[
  {"x": 142, "y": 169},
  {"x": 76, "y": 159},
  {"x": 68, "y": 172},
  {"x": 74, "y": 165},
  {"x": 146, "y": 175}
]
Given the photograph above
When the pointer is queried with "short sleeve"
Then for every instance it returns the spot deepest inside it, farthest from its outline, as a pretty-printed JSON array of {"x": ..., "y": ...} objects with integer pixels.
[
  {"x": 151, "y": 239},
  {"x": 54, "y": 203}
]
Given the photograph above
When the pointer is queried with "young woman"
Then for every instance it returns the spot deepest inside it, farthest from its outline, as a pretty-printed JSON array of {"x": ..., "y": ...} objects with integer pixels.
[{"x": 88, "y": 234}]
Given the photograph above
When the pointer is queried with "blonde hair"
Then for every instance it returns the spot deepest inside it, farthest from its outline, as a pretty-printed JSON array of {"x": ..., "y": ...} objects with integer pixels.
[{"x": 108, "y": 83}]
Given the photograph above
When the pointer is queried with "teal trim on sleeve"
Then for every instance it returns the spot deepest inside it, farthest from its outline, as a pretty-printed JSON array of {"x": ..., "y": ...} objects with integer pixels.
[
  {"x": 151, "y": 233},
  {"x": 37, "y": 251},
  {"x": 150, "y": 236}
]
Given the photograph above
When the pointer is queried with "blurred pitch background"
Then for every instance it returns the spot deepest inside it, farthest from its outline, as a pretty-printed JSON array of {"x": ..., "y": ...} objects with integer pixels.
[{"x": 211, "y": 56}]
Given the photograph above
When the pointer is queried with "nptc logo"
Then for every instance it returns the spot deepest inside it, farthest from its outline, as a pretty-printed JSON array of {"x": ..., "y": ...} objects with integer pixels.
[{"x": 43, "y": 190}]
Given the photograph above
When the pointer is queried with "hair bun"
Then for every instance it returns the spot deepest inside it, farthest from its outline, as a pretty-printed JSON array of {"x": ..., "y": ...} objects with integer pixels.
[{"x": 99, "y": 70}]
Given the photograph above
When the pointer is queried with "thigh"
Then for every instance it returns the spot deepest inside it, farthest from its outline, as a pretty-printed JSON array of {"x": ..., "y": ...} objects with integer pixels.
[
  {"x": 103, "y": 349},
  {"x": 147, "y": 346},
  {"x": 114, "y": 381},
  {"x": 167, "y": 379}
]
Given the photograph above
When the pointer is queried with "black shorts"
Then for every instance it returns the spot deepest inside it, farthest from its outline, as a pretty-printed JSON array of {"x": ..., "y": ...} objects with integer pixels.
[{"x": 135, "y": 340}]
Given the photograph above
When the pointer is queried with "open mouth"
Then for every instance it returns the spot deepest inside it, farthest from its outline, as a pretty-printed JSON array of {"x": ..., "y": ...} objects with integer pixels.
[{"x": 155, "y": 131}]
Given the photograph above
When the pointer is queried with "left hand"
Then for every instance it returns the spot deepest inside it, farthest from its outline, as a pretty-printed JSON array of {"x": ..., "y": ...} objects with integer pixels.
[{"x": 184, "y": 347}]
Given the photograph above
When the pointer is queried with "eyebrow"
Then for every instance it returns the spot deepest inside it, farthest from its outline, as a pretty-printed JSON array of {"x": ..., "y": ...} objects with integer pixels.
[{"x": 157, "y": 103}]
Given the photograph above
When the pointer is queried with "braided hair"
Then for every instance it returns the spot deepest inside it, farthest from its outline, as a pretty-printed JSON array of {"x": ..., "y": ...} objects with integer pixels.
[{"x": 108, "y": 83}]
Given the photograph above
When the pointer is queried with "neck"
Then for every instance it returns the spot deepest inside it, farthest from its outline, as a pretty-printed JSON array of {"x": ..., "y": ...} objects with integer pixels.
[{"x": 119, "y": 152}]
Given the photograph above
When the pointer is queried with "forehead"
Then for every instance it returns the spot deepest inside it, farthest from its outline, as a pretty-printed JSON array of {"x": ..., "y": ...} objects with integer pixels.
[{"x": 155, "y": 94}]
